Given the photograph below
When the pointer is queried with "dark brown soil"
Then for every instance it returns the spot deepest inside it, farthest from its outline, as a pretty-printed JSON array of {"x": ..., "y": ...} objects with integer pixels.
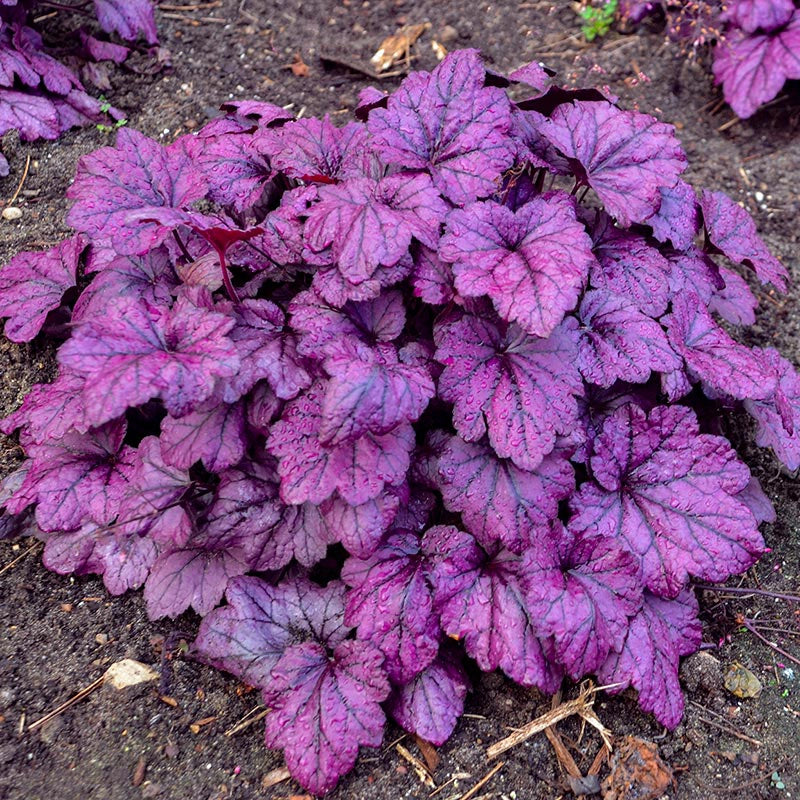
[{"x": 59, "y": 634}]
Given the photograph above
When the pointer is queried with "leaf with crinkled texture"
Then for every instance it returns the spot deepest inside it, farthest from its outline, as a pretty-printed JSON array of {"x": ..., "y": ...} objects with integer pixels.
[
  {"x": 667, "y": 493},
  {"x": 778, "y": 415},
  {"x": 533, "y": 263},
  {"x": 320, "y": 324},
  {"x": 432, "y": 278},
  {"x": 369, "y": 223},
  {"x": 535, "y": 74},
  {"x": 712, "y": 355},
  {"x": 338, "y": 290},
  {"x": 311, "y": 471},
  {"x": 370, "y": 391},
  {"x": 626, "y": 265},
  {"x": 618, "y": 342},
  {"x": 128, "y": 18},
  {"x": 33, "y": 283},
  {"x": 734, "y": 302},
  {"x": 732, "y": 230},
  {"x": 519, "y": 389},
  {"x": 138, "y": 351},
  {"x": 125, "y": 560},
  {"x": 50, "y": 410},
  {"x": 498, "y": 501},
  {"x": 32, "y": 116},
  {"x": 752, "y": 67},
  {"x": 677, "y": 219},
  {"x": 213, "y": 433},
  {"x": 323, "y": 707},
  {"x": 361, "y": 528},
  {"x": 302, "y": 533},
  {"x": 448, "y": 123},
  {"x": 430, "y": 704},
  {"x": 311, "y": 149},
  {"x": 248, "y": 636},
  {"x": 581, "y": 591},
  {"x": 481, "y": 601},
  {"x": 80, "y": 476},
  {"x": 662, "y": 632},
  {"x": 750, "y": 15},
  {"x": 391, "y": 602},
  {"x": 756, "y": 500},
  {"x": 72, "y": 552},
  {"x": 625, "y": 156},
  {"x": 21, "y": 521},
  {"x": 137, "y": 175}
]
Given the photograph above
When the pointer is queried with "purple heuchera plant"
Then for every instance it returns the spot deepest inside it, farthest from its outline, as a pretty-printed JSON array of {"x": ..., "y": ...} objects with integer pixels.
[
  {"x": 757, "y": 42},
  {"x": 39, "y": 96},
  {"x": 435, "y": 375}
]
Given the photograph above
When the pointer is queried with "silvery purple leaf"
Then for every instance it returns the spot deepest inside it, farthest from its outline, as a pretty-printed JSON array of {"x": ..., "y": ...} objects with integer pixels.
[{"x": 128, "y": 18}]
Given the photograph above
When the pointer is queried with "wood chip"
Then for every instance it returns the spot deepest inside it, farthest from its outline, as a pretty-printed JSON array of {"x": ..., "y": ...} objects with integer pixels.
[
  {"x": 128, "y": 672},
  {"x": 139, "y": 771},
  {"x": 428, "y": 753},
  {"x": 274, "y": 777},
  {"x": 298, "y": 67},
  {"x": 397, "y": 48},
  {"x": 201, "y": 723},
  {"x": 420, "y": 770}
]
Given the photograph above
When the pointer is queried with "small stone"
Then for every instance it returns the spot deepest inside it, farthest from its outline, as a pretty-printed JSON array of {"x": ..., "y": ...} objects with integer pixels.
[
  {"x": 447, "y": 34},
  {"x": 152, "y": 789},
  {"x": 51, "y": 729},
  {"x": 7, "y": 697},
  {"x": 12, "y": 213},
  {"x": 759, "y": 197},
  {"x": 101, "y": 638},
  {"x": 741, "y": 682}
]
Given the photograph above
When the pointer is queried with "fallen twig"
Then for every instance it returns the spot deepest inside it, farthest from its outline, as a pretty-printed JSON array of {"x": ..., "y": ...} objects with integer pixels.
[
  {"x": 85, "y": 692},
  {"x": 21, "y": 182},
  {"x": 247, "y": 720},
  {"x": 420, "y": 770},
  {"x": 483, "y": 781},
  {"x": 19, "y": 557},
  {"x": 747, "y": 624},
  {"x": 723, "y": 726}
]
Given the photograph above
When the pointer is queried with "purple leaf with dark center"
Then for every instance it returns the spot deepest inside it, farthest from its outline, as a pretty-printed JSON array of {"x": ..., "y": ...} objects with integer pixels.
[
  {"x": 618, "y": 342},
  {"x": 32, "y": 284},
  {"x": 432, "y": 278},
  {"x": 338, "y": 290},
  {"x": 248, "y": 636},
  {"x": 370, "y": 391},
  {"x": 301, "y": 532},
  {"x": 391, "y": 602},
  {"x": 582, "y": 591},
  {"x": 369, "y": 223},
  {"x": 322, "y": 708},
  {"x": 213, "y": 433},
  {"x": 532, "y": 263},
  {"x": 778, "y": 415},
  {"x": 361, "y": 528},
  {"x": 625, "y": 156},
  {"x": 752, "y": 68},
  {"x": 658, "y": 635},
  {"x": 430, "y": 704},
  {"x": 498, "y": 501},
  {"x": 519, "y": 388},
  {"x": 713, "y": 356},
  {"x": 667, "y": 493},
  {"x": 677, "y": 219},
  {"x": 448, "y": 123},
  {"x": 311, "y": 471},
  {"x": 138, "y": 351},
  {"x": 137, "y": 175},
  {"x": 128, "y": 18},
  {"x": 80, "y": 476},
  {"x": 481, "y": 601},
  {"x": 693, "y": 271},
  {"x": 125, "y": 559},
  {"x": 732, "y": 230}
]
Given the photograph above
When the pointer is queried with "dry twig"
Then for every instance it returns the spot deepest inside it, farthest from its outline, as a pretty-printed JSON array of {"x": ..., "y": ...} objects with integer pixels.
[{"x": 420, "y": 770}]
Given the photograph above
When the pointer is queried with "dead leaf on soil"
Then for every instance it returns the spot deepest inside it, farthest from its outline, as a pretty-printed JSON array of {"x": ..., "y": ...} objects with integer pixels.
[
  {"x": 298, "y": 67},
  {"x": 274, "y": 777},
  {"x": 397, "y": 48},
  {"x": 741, "y": 682},
  {"x": 128, "y": 672},
  {"x": 637, "y": 772}
]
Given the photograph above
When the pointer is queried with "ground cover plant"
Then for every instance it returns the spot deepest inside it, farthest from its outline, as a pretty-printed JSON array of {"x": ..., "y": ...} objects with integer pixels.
[
  {"x": 450, "y": 372},
  {"x": 756, "y": 42},
  {"x": 42, "y": 96}
]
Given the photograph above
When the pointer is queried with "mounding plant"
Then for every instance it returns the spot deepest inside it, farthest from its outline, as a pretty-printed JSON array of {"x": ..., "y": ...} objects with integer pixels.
[
  {"x": 441, "y": 384},
  {"x": 756, "y": 42},
  {"x": 41, "y": 97}
]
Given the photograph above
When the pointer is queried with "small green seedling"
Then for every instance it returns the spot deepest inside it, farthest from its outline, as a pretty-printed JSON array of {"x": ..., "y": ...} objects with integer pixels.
[{"x": 598, "y": 20}]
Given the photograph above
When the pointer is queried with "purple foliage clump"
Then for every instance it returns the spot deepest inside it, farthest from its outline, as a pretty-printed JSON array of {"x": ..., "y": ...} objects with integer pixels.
[
  {"x": 441, "y": 374},
  {"x": 756, "y": 42},
  {"x": 41, "y": 97}
]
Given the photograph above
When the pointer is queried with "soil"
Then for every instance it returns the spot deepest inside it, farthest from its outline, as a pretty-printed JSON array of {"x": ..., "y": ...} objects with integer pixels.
[{"x": 59, "y": 634}]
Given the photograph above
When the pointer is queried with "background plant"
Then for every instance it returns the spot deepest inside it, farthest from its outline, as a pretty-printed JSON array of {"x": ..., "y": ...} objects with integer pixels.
[{"x": 452, "y": 371}]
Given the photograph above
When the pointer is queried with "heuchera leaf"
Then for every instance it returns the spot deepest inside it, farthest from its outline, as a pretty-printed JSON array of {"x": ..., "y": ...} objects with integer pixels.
[
  {"x": 519, "y": 389},
  {"x": 618, "y": 342},
  {"x": 32, "y": 284},
  {"x": 391, "y": 602},
  {"x": 311, "y": 471},
  {"x": 498, "y": 501},
  {"x": 137, "y": 175},
  {"x": 732, "y": 230},
  {"x": 752, "y": 68},
  {"x": 302, "y": 533},
  {"x": 581, "y": 591},
  {"x": 138, "y": 351},
  {"x": 734, "y": 302},
  {"x": 750, "y": 15},
  {"x": 658, "y": 635},
  {"x": 667, "y": 493},
  {"x": 430, "y": 704},
  {"x": 677, "y": 219},
  {"x": 361, "y": 528},
  {"x": 712, "y": 355},
  {"x": 625, "y": 156},
  {"x": 128, "y": 18},
  {"x": 481, "y": 601},
  {"x": 323, "y": 707},
  {"x": 448, "y": 123},
  {"x": 532, "y": 264}
]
